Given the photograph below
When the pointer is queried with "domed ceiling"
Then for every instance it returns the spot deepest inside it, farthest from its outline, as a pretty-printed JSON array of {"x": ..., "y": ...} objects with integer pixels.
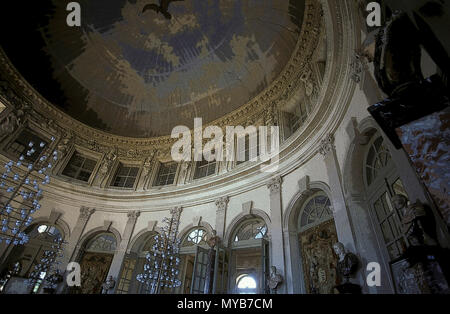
[{"x": 140, "y": 74}]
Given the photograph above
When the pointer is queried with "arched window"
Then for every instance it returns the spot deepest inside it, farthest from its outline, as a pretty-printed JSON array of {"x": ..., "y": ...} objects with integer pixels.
[
  {"x": 249, "y": 256},
  {"x": 95, "y": 261},
  {"x": 105, "y": 242},
  {"x": 317, "y": 234},
  {"x": 195, "y": 237},
  {"x": 253, "y": 229},
  {"x": 317, "y": 209},
  {"x": 42, "y": 237},
  {"x": 246, "y": 284},
  {"x": 382, "y": 183},
  {"x": 377, "y": 159}
]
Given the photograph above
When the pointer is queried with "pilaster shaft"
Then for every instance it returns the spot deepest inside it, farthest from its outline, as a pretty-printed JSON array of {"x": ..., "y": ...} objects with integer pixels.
[
  {"x": 222, "y": 205},
  {"x": 276, "y": 230}
]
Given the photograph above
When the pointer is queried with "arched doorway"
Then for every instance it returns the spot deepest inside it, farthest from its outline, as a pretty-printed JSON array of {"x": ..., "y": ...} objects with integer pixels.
[
  {"x": 194, "y": 249},
  {"x": 133, "y": 265},
  {"x": 95, "y": 261},
  {"x": 249, "y": 257},
  {"x": 24, "y": 258},
  {"x": 317, "y": 234},
  {"x": 382, "y": 181}
]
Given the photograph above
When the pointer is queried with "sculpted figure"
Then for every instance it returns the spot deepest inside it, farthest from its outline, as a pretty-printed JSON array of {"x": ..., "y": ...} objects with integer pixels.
[
  {"x": 214, "y": 240},
  {"x": 418, "y": 226},
  {"x": 10, "y": 123},
  {"x": 64, "y": 146},
  {"x": 108, "y": 285},
  {"x": 108, "y": 162},
  {"x": 347, "y": 262},
  {"x": 275, "y": 279}
]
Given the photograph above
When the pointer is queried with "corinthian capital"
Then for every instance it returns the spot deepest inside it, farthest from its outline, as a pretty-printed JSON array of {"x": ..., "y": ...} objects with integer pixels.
[
  {"x": 274, "y": 185},
  {"x": 327, "y": 145},
  {"x": 86, "y": 212},
  {"x": 133, "y": 214},
  {"x": 222, "y": 203}
]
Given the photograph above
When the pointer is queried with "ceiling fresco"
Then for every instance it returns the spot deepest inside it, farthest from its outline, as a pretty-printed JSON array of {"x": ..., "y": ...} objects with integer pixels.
[{"x": 139, "y": 74}]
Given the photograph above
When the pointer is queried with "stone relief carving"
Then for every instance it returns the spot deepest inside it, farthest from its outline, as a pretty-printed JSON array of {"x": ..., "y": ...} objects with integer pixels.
[
  {"x": 14, "y": 120},
  {"x": 64, "y": 145},
  {"x": 107, "y": 164},
  {"x": 147, "y": 170}
]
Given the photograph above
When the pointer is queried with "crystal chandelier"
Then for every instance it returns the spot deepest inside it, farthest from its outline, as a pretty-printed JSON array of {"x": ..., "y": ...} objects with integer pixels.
[
  {"x": 47, "y": 269},
  {"x": 20, "y": 191},
  {"x": 161, "y": 269}
]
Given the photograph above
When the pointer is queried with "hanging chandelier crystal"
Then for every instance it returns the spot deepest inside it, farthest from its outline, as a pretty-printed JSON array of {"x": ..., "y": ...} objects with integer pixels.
[
  {"x": 20, "y": 191},
  {"x": 47, "y": 270},
  {"x": 162, "y": 267}
]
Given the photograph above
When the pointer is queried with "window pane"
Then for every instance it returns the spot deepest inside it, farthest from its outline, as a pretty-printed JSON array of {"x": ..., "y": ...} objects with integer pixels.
[
  {"x": 166, "y": 174},
  {"x": 79, "y": 167}
]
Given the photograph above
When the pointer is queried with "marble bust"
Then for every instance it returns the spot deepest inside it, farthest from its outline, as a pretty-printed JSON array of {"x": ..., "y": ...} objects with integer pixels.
[
  {"x": 347, "y": 262},
  {"x": 108, "y": 284},
  {"x": 275, "y": 279}
]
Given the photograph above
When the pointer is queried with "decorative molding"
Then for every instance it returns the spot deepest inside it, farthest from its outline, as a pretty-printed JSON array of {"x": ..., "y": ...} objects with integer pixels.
[
  {"x": 303, "y": 183},
  {"x": 274, "y": 185},
  {"x": 107, "y": 224},
  {"x": 247, "y": 208},
  {"x": 196, "y": 221},
  {"x": 327, "y": 145},
  {"x": 54, "y": 216},
  {"x": 152, "y": 225}
]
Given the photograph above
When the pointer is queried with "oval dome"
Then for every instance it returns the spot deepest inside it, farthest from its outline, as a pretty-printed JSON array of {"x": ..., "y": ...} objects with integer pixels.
[{"x": 139, "y": 74}]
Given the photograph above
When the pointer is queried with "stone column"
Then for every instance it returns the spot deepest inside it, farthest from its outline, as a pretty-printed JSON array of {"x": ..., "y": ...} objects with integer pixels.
[
  {"x": 341, "y": 215},
  {"x": 222, "y": 204},
  {"x": 119, "y": 255},
  {"x": 276, "y": 230}
]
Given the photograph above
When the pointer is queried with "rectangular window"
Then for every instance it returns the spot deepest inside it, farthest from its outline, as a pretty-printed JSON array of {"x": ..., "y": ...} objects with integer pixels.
[
  {"x": 250, "y": 147},
  {"x": 125, "y": 176},
  {"x": 79, "y": 167},
  {"x": 20, "y": 146},
  {"x": 166, "y": 174},
  {"x": 390, "y": 226},
  {"x": 204, "y": 169}
]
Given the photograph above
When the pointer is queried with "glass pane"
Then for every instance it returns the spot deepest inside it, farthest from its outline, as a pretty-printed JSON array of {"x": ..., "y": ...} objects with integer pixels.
[
  {"x": 387, "y": 232},
  {"x": 84, "y": 176},
  {"x": 89, "y": 164},
  {"x": 379, "y": 210},
  {"x": 394, "y": 226}
]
